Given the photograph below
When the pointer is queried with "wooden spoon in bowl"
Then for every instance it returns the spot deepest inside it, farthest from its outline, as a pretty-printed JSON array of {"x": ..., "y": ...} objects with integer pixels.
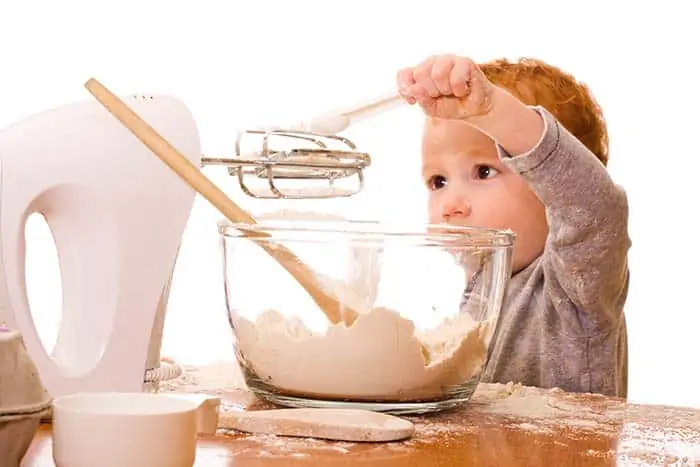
[{"x": 330, "y": 305}]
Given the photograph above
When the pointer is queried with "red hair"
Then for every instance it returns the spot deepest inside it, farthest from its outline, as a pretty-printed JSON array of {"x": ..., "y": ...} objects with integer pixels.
[{"x": 537, "y": 83}]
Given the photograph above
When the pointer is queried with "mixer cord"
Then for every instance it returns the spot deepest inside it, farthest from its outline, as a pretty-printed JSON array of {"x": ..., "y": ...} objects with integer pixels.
[{"x": 167, "y": 370}]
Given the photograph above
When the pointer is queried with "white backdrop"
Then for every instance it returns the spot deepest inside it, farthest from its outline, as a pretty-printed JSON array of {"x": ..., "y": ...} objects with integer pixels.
[{"x": 239, "y": 64}]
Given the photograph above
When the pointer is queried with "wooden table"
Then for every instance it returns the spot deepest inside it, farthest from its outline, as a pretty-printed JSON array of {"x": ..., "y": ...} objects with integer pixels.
[{"x": 504, "y": 425}]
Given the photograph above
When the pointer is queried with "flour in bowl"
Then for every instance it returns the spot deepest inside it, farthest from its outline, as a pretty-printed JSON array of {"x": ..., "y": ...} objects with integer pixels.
[{"x": 380, "y": 357}]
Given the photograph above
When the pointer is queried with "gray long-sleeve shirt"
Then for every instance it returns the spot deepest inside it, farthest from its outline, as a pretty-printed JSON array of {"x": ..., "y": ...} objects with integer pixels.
[{"x": 562, "y": 322}]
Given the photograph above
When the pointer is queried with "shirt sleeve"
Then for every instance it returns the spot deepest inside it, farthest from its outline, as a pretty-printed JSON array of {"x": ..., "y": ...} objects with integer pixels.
[{"x": 585, "y": 255}]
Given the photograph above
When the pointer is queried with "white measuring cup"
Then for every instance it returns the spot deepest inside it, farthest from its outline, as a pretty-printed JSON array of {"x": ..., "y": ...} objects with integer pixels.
[{"x": 125, "y": 429}]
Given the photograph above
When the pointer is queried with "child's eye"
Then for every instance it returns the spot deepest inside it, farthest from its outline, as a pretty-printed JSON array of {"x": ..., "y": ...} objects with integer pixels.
[
  {"x": 436, "y": 182},
  {"x": 484, "y": 172}
]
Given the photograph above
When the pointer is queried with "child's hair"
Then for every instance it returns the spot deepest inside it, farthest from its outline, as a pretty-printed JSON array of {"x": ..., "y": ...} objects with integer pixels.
[{"x": 537, "y": 83}]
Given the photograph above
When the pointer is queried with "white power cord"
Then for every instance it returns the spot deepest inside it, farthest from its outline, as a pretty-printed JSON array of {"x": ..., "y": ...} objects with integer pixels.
[{"x": 167, "y": 370}]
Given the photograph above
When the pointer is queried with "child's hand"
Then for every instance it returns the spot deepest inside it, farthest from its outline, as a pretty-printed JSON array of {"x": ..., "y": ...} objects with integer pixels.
[{"x": 447, "y": 87}]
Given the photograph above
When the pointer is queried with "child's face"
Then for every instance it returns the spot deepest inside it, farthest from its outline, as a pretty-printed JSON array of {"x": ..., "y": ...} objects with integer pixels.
[{"x": 470, "y": 186}]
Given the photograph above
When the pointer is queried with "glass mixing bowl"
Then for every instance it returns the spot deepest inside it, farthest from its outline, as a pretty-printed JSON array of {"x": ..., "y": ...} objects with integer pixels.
[{"x": 428, "y": 300}]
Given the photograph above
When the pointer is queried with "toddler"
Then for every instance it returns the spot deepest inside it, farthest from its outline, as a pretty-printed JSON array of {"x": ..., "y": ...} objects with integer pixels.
[{"x": 521, "y": 145}]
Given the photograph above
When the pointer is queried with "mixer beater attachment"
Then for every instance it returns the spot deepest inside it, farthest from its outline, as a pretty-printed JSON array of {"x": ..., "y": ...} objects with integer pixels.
[{"x": 295, "y": 164}]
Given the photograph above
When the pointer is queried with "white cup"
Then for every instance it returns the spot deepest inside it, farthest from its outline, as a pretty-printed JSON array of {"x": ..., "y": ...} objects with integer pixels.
[{"x": 124, "y": 430}]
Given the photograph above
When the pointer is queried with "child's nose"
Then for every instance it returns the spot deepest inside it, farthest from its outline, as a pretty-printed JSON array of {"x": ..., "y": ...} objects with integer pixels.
[{"x": 455, "y": 207}]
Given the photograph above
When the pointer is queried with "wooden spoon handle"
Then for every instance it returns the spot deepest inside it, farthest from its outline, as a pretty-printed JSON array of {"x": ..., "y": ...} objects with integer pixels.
[{"x": 205, "y": 187}]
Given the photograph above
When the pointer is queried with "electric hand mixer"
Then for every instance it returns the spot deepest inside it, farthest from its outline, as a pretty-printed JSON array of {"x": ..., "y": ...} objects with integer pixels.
[{"x": 117, "y": 216}]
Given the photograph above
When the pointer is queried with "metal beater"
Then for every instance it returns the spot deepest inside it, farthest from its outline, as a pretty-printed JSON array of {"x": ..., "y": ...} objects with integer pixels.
[{"x": 305, "y": 160}]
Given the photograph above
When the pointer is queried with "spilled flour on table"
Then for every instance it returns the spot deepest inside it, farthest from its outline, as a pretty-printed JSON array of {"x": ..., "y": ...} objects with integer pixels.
[{"x": 635, "y": 434}]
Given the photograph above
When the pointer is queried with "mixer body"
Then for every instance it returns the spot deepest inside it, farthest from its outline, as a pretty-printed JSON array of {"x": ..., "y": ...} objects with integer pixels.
[{"x": 117, "y": 215}]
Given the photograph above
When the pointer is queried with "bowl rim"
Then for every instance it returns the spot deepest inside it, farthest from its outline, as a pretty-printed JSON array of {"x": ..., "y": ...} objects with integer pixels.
[
  {"x": 289, "y": 230},
  {"x": 123, "y": 404}
]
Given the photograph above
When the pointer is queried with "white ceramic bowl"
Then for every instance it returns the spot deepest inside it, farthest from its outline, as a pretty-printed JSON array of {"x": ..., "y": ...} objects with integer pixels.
[{"x": 124, "y": 429}]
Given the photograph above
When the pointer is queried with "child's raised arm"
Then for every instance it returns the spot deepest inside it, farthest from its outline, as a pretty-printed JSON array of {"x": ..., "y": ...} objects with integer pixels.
[{"x": 585, "y": 256}]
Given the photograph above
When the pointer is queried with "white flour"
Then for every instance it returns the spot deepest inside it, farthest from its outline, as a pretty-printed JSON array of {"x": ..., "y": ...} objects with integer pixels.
[{"x": 378, "y": 358}]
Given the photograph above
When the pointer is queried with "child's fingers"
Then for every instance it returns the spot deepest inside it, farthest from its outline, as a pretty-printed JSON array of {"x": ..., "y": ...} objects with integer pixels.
[
  {"x": 405, "y": 83},
  {"x": 442, "y": 70},
  {"x": 423, "y": 74},
  {"x": 404, "y": 79},
  {"x": 459, "y": 77},
  {"x": 440, "y": 85}
]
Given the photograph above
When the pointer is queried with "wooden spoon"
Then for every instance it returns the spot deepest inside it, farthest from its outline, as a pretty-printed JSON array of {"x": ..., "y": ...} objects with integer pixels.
[
  {"x": 340, "y": 121},
  {"x": 330, "y": 305},
  {"x": 351, "y": 425}
]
